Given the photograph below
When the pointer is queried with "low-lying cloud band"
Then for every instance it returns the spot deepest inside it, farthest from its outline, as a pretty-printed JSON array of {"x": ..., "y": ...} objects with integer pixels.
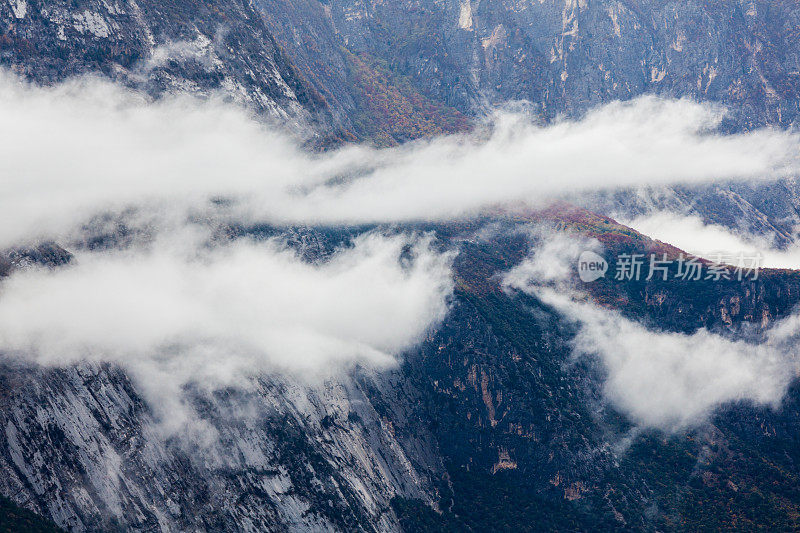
[
  {"x": 660, "y": 379},
  {"x": 172, "y": 315},
  {"x": 88, "y": 145}
]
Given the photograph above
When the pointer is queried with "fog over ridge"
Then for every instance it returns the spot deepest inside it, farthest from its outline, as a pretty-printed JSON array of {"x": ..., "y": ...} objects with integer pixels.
[
  {"x": 178, "y": 312},
  {"x": 88, "y": 145},
  {"x": 692, "y": 234}
]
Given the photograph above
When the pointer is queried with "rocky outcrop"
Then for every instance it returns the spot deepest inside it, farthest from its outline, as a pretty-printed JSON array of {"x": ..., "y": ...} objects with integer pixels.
[
  {"x": 186, "y": 46},
  {"x": 80, "y": 446},
  {"x": 567, "y": 55}
]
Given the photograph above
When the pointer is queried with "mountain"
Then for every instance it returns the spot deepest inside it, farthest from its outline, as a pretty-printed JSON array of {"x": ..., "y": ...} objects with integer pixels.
[
  {"x": 565, "y": 56},
  {"x": 400, "y": 70},
  {"x": 198, "y": 47},
  {"x": 491, "y": 423},
  {"x": 341, "y": 71},
  {"x": 482, "y": 426},
  {"x": 562, "y": 58}
]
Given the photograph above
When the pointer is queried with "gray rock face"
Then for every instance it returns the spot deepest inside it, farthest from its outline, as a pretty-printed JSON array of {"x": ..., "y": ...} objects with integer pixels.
[
  {"x": 80, "y": 446},
  {"x": 198, "y": 47},
  {"x": 391, "y": 71},
  {"x": 565, "y": 56}
]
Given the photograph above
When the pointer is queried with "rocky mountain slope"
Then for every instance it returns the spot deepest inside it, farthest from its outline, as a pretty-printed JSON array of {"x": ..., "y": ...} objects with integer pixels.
[
  {"x": 80, "y": 447},
  {"x": 392, "y": 71},
  {"x": 484, "y": 425},
  {"x": 564, "y": 56},
  {"x": 198, "y": 47},
  {"x": 489, "y": 423},
  {"x": 389, "y": 72}
]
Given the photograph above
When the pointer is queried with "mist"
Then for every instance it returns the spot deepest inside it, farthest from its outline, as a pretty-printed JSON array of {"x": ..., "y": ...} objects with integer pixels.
[
  {"x": 692, "y": 234},
  {"x": 87, "y": 146},
  {"x": 659, "y": 379},
  {"x": 178, "y": 313}
]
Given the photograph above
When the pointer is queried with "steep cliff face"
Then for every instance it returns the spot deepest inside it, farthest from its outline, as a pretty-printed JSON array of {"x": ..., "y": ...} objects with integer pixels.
[
  {"x": 81, "y": 447},
  {"x": 371, "y": 98},
  {"x": 565, "y": 56},
  {"x": 392, "y": 71},
  {"x": 198, "y": 47}
]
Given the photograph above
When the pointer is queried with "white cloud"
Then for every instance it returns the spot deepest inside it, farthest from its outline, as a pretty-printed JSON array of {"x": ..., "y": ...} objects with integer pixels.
[
  {"x": 672, "y": 380},
  {"x": 552, "y": 263},
  {"x": 690, "y": 233},
  {"x": 180, "y": 313},
  {"x": 172, "y": 315},
  {"x": 200, "y": 49},
  {"x": 87, "y": 145},
  {"x": 661, "y": 379}
]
